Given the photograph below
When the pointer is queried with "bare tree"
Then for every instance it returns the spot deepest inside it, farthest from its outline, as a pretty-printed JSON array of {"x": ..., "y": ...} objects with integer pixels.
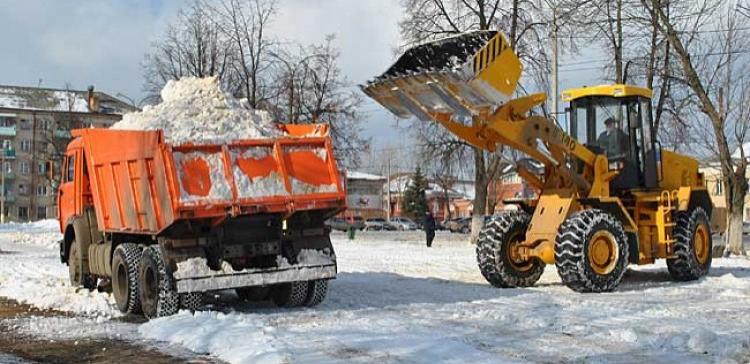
[
  {"x": 245, "y": 24},
  {"x": 708, "y": 45},
  {"x": 312, "y": 89},
  {"x": 192, "y": 46}
]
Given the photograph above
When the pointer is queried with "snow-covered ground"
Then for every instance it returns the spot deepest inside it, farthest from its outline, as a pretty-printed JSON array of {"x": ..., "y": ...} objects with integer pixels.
[{"x": 398, "y": 301}]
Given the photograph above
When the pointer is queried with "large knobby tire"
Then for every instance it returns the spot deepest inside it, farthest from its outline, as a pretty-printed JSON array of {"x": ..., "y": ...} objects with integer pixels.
[
  {"x": 192, "y": 301},
  {"x": 157, "y": 289},
  {"x": 125, "y": 261},
  {"x": 292, "y": 294},
  {"x": 496, "y": 255},
  {"x": 75, "y": 269},
  {"x": 316, "y": 292},
  {"x": 692, "y": 247},
  {"x": 591, "y": 251}
]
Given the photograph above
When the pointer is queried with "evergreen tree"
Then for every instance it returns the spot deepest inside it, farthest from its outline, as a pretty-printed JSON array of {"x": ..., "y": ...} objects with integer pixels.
[{"x": 414, "y": 202}]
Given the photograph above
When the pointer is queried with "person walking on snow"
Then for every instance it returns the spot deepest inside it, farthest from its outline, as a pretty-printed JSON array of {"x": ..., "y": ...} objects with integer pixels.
[{"x": 429, "y": 227}]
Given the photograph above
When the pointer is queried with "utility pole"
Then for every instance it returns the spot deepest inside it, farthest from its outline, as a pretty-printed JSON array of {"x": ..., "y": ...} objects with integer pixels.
[
  {"x": 388, "y": 193},
  {"x": 555, "y": 57},
  {"x": 2, "y": 187}
]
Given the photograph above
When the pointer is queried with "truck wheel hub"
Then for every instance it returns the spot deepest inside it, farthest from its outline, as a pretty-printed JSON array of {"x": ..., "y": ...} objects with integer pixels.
[
  {"x": 603, "y": 252},
  {"x": 700, "y": 243}
]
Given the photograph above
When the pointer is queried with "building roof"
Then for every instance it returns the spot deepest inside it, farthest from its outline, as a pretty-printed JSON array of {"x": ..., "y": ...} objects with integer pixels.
[
  {"x": 59, "y": 100},
  {"x": 460, "y": 189},
  {"x": 364, "y": 176}
]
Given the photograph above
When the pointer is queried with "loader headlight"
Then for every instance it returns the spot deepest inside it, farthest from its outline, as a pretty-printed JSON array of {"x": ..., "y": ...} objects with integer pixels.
[{"x": 615, "y": 166}]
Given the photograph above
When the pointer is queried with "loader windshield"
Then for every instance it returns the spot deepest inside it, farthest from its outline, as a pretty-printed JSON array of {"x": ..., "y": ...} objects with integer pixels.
[{"x": 604, "y": 123}]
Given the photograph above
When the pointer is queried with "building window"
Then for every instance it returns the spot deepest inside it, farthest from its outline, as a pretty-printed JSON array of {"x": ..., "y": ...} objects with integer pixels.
[
  {"x": 41, "y": 212},
  {"x": 718, "y": 188},
  {"x": 24, "y": 167},
  {"x": 25, "y": 145},
  {"x": 6, "y": 121},
  {"x": 25, "y": 125},
  {"x": 23, "y": 212},
  {"x": 41, "y": 190},
  {"x": 22, "y": 189},
  {"x": 41, "y": 167},
  {"x": 45, "y": 125},
  {"x": 8, "y": 167}
]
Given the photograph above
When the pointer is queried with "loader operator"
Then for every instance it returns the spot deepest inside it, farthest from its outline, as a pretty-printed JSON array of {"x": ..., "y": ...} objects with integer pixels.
[{"x": 613, "y": 141}]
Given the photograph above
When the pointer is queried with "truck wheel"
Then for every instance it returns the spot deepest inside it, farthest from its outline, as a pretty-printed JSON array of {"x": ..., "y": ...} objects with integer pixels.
[
  {"x": 75, "y": 269},
  {"x": 191, "y": 301},
  {"x": 496, "y": 252},
  {"x": 692, "y": 246},
  {"x": 253, "y": 294},
  {"x": 292, "y": 294},
  {"x": 125, "y": 260},
  {"x": 158, "y": 295},
  {"x": 316, "y": 292},
  {"x": 591, "y": 251}
]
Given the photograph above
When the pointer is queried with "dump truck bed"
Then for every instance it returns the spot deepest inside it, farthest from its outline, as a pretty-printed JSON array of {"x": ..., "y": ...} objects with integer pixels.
[{"x": 142, "y": 185}]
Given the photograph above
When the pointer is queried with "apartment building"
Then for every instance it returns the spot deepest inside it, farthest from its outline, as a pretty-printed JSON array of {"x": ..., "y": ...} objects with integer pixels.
[{"x": 35, "y": 125}]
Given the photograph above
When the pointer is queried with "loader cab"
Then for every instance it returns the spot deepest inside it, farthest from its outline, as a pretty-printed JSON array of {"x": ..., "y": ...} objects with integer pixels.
[{"x": 615, "y": 120}]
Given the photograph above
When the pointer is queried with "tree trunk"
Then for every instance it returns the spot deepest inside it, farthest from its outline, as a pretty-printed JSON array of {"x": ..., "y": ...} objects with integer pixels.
[
  {"x": 735, "y": 199},
  {"x": 480, "y": 194}
]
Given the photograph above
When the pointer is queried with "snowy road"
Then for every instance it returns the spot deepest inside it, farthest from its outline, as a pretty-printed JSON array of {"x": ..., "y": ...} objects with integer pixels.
[{"x": 398, "y": 301}]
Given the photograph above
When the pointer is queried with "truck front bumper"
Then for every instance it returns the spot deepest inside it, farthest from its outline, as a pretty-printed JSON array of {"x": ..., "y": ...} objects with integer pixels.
[{"x": 195, "y": 276}]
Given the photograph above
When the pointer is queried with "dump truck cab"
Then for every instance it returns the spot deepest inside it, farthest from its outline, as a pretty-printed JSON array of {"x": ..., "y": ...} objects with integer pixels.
[{"x": 615, "y": 120}]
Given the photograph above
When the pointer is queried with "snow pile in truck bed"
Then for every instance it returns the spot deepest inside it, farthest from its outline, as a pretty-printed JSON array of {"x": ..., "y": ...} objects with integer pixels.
[{"x": 196, "y": 110}]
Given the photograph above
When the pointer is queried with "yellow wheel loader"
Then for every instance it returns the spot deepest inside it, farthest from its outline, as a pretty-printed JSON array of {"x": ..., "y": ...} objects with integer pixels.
[{"x": 608, "y": 195}]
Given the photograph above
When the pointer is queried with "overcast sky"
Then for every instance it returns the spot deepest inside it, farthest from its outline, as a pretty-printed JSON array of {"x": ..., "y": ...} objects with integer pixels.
[{"x": 102, "y": 43}]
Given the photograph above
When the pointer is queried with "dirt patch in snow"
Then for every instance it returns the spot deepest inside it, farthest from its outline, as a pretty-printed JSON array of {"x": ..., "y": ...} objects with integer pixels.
[
  {"x": 197, "y": 110},
  {"x": 35, "y": 349}
]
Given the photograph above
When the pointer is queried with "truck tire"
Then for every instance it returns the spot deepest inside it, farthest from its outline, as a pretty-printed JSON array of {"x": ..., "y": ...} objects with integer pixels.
[
  {"x": 75, "y": 269},
  {"x": 316, "y": 292},
  {"x": 253, "y": 294},
  {"x": 192, "y": 301},
  {"x": 125, "y": 261},
  {"x": 692, "y": 246},
  {"x": 158, "y": 295},
  {"x": 292, "y": 294},
  {"x": 591, "y": 251},
  {"x": 494, "y": 252}
]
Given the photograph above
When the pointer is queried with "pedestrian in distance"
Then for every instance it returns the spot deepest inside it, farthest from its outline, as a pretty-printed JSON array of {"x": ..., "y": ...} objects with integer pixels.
[{"x": 429, "y": 227}]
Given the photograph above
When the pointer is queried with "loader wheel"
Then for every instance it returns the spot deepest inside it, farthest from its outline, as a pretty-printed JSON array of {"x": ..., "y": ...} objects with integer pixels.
[
  {"x": 292, "y": 294},
  {"x": 254, "y": 294},
  {"x": 692, "y": 247},
  {"x": 591, "y": 251},
  {"x": 158, "y": 295},
  {"x": 191, "y": 301},
  {"x": 75, "y": 269},
  {"x": 316, "y": 292},
  {"x": 496, "y": 252},
  {"x": 125, "y": 260}
]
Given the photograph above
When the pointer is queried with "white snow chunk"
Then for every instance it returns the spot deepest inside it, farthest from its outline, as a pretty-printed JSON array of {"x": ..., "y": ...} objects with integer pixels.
[{"x": 196, "y": 110}]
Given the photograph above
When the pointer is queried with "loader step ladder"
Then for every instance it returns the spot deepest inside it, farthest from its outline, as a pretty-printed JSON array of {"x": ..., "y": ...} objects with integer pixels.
[{"x": 665, "y": 222}]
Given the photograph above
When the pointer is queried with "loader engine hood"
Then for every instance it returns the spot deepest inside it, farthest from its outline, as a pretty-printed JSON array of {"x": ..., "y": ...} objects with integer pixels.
[{"x": 461, "y": 75}]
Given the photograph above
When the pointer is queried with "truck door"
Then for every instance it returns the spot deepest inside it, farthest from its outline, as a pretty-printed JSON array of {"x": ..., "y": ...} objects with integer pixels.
[{"x": 66, "y": 194}]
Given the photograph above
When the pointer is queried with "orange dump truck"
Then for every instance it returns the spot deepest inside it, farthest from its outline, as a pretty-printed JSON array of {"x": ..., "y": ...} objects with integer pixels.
[{"x": 160, "y": 224}]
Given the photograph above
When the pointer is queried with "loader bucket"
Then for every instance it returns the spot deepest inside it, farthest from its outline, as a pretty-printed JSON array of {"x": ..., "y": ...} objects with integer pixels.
[{"x": 459, "y": 75}]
